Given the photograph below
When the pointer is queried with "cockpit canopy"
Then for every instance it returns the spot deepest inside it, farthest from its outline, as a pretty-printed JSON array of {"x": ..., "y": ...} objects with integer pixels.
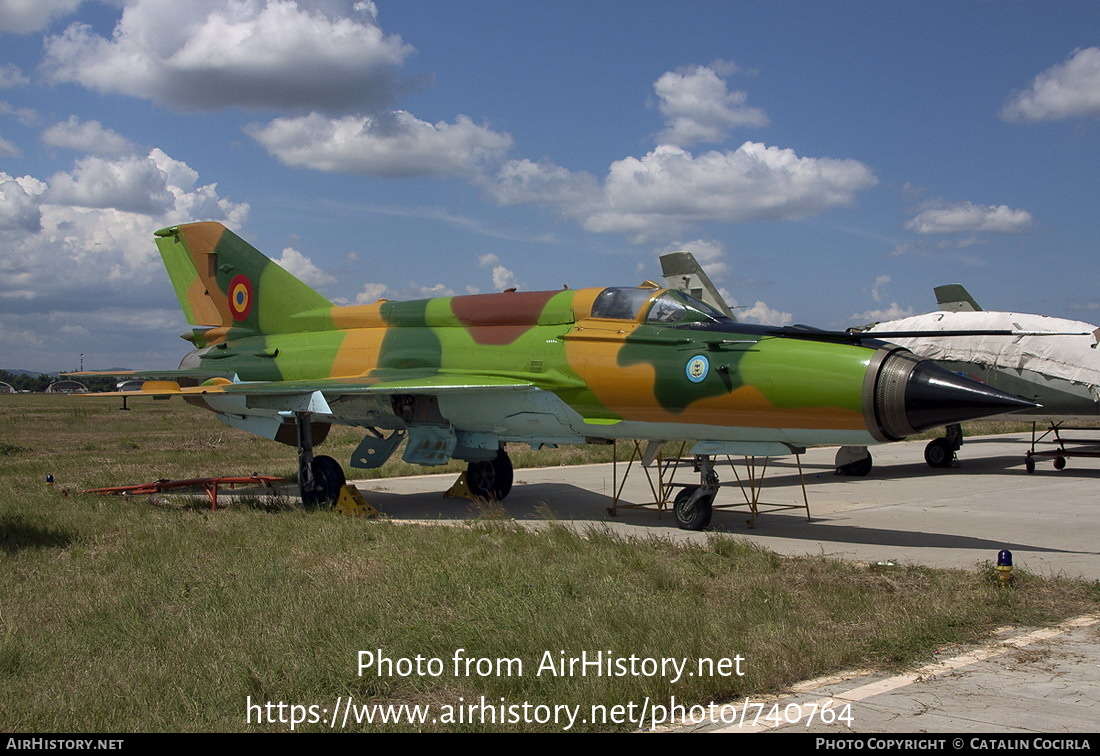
[{"x": 669, "y": 306}]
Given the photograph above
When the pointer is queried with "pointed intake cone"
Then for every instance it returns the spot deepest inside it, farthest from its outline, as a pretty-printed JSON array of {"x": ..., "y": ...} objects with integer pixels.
[
  {"x": 936, "y": 397},
  {"x": 912, "y": 395}
]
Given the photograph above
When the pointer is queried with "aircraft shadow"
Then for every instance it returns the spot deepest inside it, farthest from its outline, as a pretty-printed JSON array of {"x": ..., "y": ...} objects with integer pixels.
[
  {"x": 784, "y": 473},
  {"x": 818, "y": 530},
  {"x": 568, "y": 503},
  {"x": 17, "y": 535}
]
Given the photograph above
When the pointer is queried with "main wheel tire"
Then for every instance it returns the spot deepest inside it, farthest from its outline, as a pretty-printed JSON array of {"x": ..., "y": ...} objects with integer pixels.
[
  {"x": 490, "y": 478},
  {"x": 938, "y": 453},
  {"x": 328, "y": 479},
  {"x": 692, "y": 515}
]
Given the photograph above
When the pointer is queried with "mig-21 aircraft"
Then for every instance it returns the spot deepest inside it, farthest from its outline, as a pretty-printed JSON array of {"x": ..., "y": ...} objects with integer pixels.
[{"x": 459, "y": 377}]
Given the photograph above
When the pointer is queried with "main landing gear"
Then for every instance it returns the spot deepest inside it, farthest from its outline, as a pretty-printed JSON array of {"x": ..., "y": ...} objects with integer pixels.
[
  {"x": 940, "y": 452},
  {"x": 319, "y": 478},
  {"x": 490, "y": 478}
]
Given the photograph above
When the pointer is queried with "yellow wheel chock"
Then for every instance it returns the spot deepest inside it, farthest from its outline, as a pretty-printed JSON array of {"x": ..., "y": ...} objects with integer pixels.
[
  {"x": 351, "y": 503},
  {"x": 460, "y": 489}
]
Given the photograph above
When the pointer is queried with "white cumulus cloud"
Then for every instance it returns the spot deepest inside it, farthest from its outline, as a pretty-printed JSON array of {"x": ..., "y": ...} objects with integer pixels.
[
  {"x": 210, "y": 54},
  {"x": 669, "y": 188},
  {"x": 8, "y": 149},
  {"x": 391, "y": 144},
  {"x": 25, "y": 116},
  {"x": 372, "y": 292},
  {"x": 877, "y": 286},
  {"x": 11, "y": 76},
  {"x": 893, "y": 312},
  {"x": 86, "y": 236},
  {"x": 25, "y": 16},
  {"x": 131, "y": 184},
  {"x": 416, "y": 291},
  {"x": 503, "y": 278},
  {"x": 304, "y": 269},
  {"x": 967, "y": 217},
  {"x": 86, "y": 136},
  {"x": 521, "y": 181},
  {"x": 759, "y": 312},
  {"x": 698, "y": 107},
  {"x": 1062, "y": 91},
  {"x": 19, "y": 203}
]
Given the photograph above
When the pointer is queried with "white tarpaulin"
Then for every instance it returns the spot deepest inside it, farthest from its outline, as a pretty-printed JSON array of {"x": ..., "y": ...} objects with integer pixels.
[{"x": 1071, "y": 358}]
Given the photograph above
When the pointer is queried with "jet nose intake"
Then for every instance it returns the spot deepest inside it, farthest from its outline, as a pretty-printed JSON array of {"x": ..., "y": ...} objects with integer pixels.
[
  {"x": 912, "y": 395},
  {"x": 936, "y": 397}
]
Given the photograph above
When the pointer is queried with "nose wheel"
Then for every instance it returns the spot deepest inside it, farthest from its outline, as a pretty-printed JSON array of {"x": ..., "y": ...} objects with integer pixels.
[{"x": 693, "y": 507}]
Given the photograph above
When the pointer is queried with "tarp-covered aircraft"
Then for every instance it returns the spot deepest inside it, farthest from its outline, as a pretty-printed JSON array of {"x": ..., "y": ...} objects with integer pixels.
[
  {"x": 458, "y": 377},
  {"x": 1062, "y": 375}
]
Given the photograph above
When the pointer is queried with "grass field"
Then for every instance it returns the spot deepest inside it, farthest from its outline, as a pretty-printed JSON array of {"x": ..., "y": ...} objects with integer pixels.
[{"x": 121, "y": 615}]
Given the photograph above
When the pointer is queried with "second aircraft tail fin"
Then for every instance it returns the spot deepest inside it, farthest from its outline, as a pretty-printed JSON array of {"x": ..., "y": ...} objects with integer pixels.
[{"x": 955, "y": 298}]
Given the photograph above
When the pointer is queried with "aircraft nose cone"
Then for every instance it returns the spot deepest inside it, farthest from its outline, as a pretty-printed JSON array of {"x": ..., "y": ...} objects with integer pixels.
[
  {"x": 912, "y": 394},
  {"x": 935, "y": 397}
]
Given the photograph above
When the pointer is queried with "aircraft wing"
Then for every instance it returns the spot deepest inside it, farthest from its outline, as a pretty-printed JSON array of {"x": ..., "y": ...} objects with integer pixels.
[
  {"x": 433, "y": 384},
  {"x": 262, "y": 407},
  {"x": 189, "y": 375}
]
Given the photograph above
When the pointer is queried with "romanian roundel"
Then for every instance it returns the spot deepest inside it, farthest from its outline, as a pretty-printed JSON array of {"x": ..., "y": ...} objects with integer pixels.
[{"x": 240, "y": 297}]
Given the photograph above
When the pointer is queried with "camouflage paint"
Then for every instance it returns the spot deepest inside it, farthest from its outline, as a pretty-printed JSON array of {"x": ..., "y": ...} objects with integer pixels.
[{"x": 268, "y": 326}]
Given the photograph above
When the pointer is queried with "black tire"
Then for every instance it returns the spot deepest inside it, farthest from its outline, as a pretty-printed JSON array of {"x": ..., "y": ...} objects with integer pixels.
[
  {"x": 328, "y": 479},
  {"x": 1059, "y": 463},
  {"x": 491, "y": 478},
  {"x": 694, "y": 515},
  {"x": 858, "y": 469},
  {"x": 938, "y": 453},
  {"x": 1029, "y": 464}
]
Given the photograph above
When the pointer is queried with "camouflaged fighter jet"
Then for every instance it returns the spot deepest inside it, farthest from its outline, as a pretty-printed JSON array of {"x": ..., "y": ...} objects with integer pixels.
[{"x": 458, "y": 377}]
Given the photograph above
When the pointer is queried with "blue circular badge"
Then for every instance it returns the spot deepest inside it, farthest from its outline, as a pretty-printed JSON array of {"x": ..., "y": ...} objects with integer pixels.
[{"x": 697, "y": 368}]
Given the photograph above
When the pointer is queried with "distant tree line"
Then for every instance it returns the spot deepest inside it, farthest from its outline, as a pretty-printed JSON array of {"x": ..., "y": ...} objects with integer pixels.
[{"x": 28, "y": 382}]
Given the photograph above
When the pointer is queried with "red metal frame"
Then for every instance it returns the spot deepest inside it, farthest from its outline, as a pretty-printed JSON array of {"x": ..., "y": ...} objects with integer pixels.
[{"x": 210, "y": 485}]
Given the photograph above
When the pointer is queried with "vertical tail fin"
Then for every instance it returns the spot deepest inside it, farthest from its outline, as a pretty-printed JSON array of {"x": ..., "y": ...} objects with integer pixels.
[
  {"x": 682, "y": 272},
  {"x": 222, "y": 280},
  {"x": 955, "y": 298}
]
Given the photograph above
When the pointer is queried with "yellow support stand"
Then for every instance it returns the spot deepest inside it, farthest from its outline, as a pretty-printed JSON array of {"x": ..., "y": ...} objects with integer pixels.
[{"x": 352, "y": 503}]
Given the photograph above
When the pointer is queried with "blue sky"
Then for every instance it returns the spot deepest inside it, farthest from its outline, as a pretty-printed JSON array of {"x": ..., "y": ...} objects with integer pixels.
[{"x": 829, "y": 162}]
